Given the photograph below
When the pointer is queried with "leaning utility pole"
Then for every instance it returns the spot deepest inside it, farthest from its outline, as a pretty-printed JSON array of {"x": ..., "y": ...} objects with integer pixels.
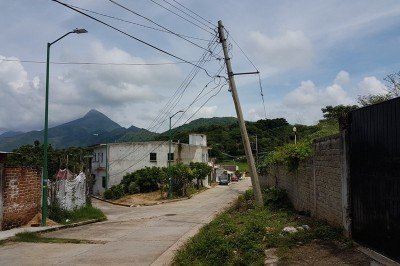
[{"x": 242, "y": 125}]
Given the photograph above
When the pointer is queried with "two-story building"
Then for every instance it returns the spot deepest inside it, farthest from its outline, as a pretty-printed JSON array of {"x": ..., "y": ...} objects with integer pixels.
[{"x": 110, "y": 162}]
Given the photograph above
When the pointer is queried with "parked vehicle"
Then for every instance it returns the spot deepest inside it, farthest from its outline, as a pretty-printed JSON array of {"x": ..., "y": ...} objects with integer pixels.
[{"x": 224, "y": 179}]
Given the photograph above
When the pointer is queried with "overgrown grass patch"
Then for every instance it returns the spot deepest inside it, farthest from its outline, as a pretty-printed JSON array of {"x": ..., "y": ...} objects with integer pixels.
[
  {"x": 240, "y": 235},
  {"x": 85, "y": 213},
  {"x": 33, "y": 237}
]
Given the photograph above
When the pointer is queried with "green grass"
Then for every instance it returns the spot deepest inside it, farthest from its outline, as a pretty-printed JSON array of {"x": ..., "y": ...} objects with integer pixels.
[
  {"x": 240, "y": 235},
  {"x": 85, "y": 213},
  {"x": 37, "y": 238},
  {"x": 243, "y": 166}
]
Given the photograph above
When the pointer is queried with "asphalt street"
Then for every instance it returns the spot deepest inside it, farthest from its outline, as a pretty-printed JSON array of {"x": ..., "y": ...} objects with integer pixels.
[{"x": 146, "y": 235}]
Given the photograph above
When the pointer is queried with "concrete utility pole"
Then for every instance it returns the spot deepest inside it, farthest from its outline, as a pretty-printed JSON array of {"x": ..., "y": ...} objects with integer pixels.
[{"x": 242, "y": 125}]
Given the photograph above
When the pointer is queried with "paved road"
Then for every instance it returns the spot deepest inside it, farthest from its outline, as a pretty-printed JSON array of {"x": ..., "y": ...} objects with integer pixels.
[{"x": 132, "y": 236}]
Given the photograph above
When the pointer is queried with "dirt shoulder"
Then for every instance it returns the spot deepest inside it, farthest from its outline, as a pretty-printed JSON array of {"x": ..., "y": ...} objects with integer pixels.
[
  {"x": 142, "y": 198},
  {"x": 325, "y": 253}
]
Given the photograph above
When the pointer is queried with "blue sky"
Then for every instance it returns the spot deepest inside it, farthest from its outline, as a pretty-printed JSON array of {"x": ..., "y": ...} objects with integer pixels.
[{"x": 310, "y": 54}]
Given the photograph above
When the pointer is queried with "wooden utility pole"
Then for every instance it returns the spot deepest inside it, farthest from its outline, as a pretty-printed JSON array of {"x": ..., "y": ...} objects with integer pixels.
[{"x": 242, "y": 125}]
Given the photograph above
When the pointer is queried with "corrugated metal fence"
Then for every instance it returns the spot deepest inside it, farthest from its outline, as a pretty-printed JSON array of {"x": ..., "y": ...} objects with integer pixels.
[{"x": 374, "y": 138}]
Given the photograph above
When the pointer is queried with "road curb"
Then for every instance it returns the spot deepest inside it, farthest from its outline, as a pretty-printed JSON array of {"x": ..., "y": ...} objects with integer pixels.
[
  {"x": 148, "y": 204},
  {"x": 54, "y": 228}
]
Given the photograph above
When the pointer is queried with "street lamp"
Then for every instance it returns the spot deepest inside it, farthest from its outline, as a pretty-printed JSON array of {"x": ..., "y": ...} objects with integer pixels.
[
  {"x": 295, "y": 135},
  {"x": 46, "y": 126},
  {"x": 169, "y": 155}
]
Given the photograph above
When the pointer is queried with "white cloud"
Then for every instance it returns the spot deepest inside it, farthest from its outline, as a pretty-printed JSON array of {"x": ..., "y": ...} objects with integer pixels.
[
  {"x": 21, "y": 104},
  {"x": 305, "y": 102},
  {"x": 289, "y": 50},
  {"x": 371, "y": 85},
  {"x": 342, "y": 78},
  {"x": 205, "y": 111}
]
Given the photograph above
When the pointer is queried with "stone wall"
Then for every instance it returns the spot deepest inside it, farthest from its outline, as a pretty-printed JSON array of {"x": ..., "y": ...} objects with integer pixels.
[
  {"x": 21, "y": 189},
  {"x": 316, "y": 186}
]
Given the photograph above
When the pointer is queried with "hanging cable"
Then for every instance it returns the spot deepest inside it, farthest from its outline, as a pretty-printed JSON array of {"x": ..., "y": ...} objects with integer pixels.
[
  {"x": 201, "y": 22},
  {"x": 127, "y": 34},
  {"x": 137, "y": 14},
  {"x": 176, "y": 14},
  {"x": 136, "y": 24},
  {"x": 193, "y": 12},
  {"x": 259, "y": 75},
  {"x": 98, "y": 63}
]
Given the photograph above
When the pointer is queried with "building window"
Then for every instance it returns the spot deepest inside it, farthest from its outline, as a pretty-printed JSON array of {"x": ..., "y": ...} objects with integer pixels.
[
  {"x": 94, "y": 158},
  {"x": 153, "y": 157},
  {"x": 103, "y": 181},
  {"x": 170, "y": 156}
]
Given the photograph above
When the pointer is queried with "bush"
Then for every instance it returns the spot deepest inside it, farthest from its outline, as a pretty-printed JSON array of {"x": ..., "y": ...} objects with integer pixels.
[
  {"x": 133, "y": 188},
  {"x": 290, "y": 155},
  {"x": 114, "y": 192},
  {"x": 276, "y": 199}
]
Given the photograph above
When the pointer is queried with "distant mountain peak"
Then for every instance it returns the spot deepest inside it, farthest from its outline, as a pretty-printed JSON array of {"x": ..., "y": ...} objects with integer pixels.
[{"x": 93, "y": 112}]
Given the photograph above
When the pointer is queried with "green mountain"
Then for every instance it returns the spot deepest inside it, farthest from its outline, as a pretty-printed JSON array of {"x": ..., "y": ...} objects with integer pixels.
[{"x": 92, "y": 128}]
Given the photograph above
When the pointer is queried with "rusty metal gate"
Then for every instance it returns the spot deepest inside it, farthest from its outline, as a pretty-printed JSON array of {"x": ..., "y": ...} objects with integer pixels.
[{"x": 374, "y": 154}]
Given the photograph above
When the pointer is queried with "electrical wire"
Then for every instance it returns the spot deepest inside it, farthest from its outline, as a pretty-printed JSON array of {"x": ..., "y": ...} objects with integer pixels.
[
  {"x": 135, "y": 23},
  {"x": 259, "y": 75},
  {"x": 160, "y": 119},
  {"x": 137, "y": 14},
  {"x": 193, "y": 12},
  {"x": 191, "y": 22},
  {"x": 98, "y": 63},
  {"x": 174, "y": 6},
  {"x": 127, "y": 34}
]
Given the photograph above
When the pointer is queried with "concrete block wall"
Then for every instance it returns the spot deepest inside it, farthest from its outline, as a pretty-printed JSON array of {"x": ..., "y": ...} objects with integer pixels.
[
  {"x": 21, "y": 195},
  {"x": 316, "y": 186}
]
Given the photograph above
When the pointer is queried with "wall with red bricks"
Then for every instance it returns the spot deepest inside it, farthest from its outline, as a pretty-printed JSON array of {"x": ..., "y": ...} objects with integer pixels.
[
  {"x": 21, "y": 195},
  {"x": 316, "y": 186}
]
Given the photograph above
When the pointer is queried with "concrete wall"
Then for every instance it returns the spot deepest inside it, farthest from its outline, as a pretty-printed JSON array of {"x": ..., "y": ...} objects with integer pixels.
[
  {"x": 22, "y": 190},
  {"x": 123, "y": 158},
  {"x": 99, "y": 167},
  {"x": 317, "y": 185}
]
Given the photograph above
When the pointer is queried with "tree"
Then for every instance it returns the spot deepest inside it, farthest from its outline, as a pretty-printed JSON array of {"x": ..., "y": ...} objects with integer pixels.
[
  {"x": 200, "y": 171},
  {"x": 392, "y": 83},
  {"x": 337, "y": 112},
  {"x": 372, "y": 99}
]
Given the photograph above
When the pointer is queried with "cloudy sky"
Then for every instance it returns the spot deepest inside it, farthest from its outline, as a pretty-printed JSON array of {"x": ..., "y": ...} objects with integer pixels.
[{"x": 310, "y": 54}]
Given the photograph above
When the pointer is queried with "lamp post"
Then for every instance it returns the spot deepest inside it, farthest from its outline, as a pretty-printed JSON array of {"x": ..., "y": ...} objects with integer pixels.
[
  {"x": 295, "y": 135},
  {"x": 46, "y": 126},
  {"x": 169, "y": 155}
]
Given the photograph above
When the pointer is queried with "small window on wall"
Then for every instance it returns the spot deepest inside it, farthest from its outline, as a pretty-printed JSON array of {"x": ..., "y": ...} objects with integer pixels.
[
  {"x": 103, "y": 182},
  {"x": 153, "y": 157},
  {"x": 170, "y": 156}
]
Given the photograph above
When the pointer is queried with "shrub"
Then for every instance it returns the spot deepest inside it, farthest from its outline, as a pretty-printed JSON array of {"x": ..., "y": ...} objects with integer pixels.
[
  {"x": 133, "y": 188},
  {"x": 114, "y": 192},
  {"x": 290, "y": 155},
  {"x": 276, "y": 199}
]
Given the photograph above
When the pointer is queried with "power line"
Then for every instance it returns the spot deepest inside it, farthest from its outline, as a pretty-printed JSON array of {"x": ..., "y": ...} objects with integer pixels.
[
  {"x": 127, "y": 34},
  {"x": 170, "y": 105},
  {"x": 170, "y": 31},
  {"x": 191, "y": 22},
  {"x": 98, "y": 63},
  {"x": 193, "y": 12},
  {"x": 135, "y": 23},
  {"x": 188, "y": 15},
  {"x": 259, "y": 75}
]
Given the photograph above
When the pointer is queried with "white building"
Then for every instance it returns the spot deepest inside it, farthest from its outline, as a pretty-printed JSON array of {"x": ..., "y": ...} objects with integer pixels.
[{"x": 112, "y": 161}]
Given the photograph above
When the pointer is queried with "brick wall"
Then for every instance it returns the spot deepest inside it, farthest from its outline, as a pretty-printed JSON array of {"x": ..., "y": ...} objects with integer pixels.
[
  {"x": 316, "y": 186},
  {"x": 21, "y": 195}
]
